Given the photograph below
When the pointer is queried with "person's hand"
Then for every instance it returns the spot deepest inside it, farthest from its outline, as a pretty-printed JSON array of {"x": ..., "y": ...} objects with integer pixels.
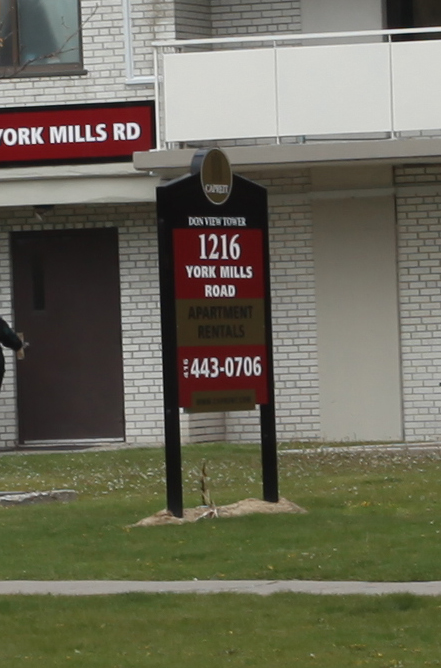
[{"x": 21, "y": 353}]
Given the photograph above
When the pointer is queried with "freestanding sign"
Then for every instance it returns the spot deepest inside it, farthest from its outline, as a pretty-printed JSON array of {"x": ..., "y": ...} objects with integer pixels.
[{"x": 215, "y": 306}]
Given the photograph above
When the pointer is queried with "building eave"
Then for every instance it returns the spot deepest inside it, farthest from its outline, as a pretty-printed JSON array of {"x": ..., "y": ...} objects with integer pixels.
[{"x": 175, "y": 162}]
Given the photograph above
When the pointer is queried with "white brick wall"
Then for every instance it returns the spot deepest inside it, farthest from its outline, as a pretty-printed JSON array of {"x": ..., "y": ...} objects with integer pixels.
[
  {"x": 8, "y": 403},
  {"x": 293, "y": 304},
  {"x": 104, "y": 47},
  {"x": 293, "y": 313},
  {"x": 193, "y": 19},
  {"x": 150, "y": 21},
  {"x": 419, "y": 254},
  {"x": 203, "y": 427},
  {"x": 294, "y": 328},
  {"x": 294, "y": 322},
  {"x": 292, "y": 265},
  {"x": 221, "y": 18},
  {"x": 141, "y": 327},
  {"x": 241, "y": 17},
  {"x": 104, "y": 58}
]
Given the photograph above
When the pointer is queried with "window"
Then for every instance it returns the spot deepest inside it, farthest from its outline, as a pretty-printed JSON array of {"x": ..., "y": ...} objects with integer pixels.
[
  {"x": 414, "y": 14},
  {"x": 39, "y": 37}
]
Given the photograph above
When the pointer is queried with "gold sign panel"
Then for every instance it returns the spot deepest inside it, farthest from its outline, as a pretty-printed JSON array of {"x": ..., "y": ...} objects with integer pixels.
[
  {"x": 223, "y": 400},
  {"x": 216, "y": 176},
  {"x": 220, "y": 322}
]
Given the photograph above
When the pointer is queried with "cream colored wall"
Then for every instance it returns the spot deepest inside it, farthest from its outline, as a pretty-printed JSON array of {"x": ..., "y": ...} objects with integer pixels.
[
  {"x": 338, "y": 15},
  {"x": 357, "y": 318}
]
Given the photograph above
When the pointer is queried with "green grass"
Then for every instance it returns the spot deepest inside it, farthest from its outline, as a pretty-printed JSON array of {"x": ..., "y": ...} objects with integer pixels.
[
  {"x": 371, "y": 516},
  {"x": 163, "y": 631}
]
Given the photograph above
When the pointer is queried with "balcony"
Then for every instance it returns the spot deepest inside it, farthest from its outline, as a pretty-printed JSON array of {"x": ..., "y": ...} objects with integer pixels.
[{"x": 298, "y": 88}]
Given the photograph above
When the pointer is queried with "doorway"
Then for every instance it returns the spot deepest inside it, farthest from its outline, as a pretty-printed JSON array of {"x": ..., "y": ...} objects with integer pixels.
[
  {"x": 357, "y": 319},
  {"x": 66, "y": 294}
]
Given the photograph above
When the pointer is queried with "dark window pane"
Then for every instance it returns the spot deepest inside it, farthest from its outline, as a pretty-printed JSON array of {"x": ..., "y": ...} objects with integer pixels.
[
  {"x": 426, "y": 13},
  {"x": 48, "y": 31},
  {"x": 414, "y": 14},
  {"x": 400, "y": 14}
]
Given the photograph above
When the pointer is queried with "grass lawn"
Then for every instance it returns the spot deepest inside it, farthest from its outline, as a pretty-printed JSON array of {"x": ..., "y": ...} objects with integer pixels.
[
  {"x": 371, "y": 516},
  {"x": 163, "y": 631}
]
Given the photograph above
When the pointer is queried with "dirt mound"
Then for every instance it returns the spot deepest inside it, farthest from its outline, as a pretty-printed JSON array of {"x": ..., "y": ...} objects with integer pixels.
[{"x": 245, "y": 507}]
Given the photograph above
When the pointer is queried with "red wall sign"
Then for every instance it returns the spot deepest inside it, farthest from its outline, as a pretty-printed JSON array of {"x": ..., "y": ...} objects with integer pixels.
[{"x": 83, "y": 133}]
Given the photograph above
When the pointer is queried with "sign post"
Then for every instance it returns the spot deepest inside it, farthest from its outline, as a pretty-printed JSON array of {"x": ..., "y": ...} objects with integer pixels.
[{"x": 215, "y": 306}]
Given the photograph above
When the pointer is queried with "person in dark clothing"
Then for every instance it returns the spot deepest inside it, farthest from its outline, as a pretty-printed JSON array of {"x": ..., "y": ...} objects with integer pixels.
[{"x": 9, "y": 339}]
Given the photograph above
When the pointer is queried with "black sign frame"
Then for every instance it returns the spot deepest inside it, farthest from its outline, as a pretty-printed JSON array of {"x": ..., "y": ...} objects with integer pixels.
[{"x": 176, "y": 202}]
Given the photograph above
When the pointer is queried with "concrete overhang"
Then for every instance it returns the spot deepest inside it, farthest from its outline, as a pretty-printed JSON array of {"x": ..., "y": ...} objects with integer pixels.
[
  {"x": 176, "y": 162},
  {"x": 109, "y": 183}
]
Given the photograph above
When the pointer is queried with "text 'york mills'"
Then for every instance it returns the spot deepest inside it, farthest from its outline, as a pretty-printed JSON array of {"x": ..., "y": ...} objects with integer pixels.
[{"x": 225, "y": 271}]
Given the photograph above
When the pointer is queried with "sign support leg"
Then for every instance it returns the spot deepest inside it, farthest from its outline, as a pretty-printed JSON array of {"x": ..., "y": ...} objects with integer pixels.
[
  {"x": 269, "y": 452},
  {"x": 175, "y": 504}
]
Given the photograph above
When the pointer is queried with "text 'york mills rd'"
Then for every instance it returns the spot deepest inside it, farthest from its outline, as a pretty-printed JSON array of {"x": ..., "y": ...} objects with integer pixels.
[{"x": 69, "y": 134}]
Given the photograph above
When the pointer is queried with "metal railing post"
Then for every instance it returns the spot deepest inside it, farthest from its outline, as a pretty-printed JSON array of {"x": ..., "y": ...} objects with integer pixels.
[{"x": 158, "y": 101}]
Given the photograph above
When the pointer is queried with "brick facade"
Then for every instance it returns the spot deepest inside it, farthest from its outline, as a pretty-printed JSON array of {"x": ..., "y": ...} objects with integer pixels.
[
  {"x": 292, "y": 269},
  {"x": 230, "y": 17},
  {"x": 226, "y": 18},
  {"x": 114, "y": 68},
  {"x": 419, "y": 266},
  {"x": 293, "y": 312},
  {"x": 293, "y": 305}
]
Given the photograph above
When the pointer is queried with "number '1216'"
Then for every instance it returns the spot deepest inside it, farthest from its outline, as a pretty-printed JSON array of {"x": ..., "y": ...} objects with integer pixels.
[{"x": 219, "y": 247}]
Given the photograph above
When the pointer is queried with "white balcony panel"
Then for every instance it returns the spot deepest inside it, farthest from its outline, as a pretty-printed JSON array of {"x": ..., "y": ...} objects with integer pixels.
[
  {"x": 417, "y": 85},
  {"x": 340, "y": 89},
  {"x": 220, "y": 95}
]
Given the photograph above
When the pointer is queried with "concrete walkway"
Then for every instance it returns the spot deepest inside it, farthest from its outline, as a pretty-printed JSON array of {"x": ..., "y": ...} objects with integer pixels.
[
  {"x": 262, "y": 587},
  {"x": 71, "y": 448}
]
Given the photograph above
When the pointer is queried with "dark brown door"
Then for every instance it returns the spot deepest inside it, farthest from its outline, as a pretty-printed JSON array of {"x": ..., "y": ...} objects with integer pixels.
[{"x": 67, "y": 304}]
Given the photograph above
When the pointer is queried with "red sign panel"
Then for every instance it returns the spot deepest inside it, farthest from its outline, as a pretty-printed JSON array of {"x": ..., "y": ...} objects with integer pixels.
[
  {"x": 224, "y": 257},
  {"x": 222, "y": 369},
  {"x": 83, "y": 133},
  {"x": 219, "y": 289}
]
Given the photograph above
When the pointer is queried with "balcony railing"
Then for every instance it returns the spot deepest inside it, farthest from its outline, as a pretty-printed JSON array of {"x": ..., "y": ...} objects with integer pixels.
[{"x": 298, "y": 87}]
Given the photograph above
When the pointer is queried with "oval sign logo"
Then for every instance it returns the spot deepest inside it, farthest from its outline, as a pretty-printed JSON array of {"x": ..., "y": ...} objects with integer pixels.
[{"x": 216, "y": 176}]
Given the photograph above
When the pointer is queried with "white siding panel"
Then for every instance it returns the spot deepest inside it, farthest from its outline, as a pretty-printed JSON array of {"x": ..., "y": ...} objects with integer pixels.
[
  {"x": 334, "y": 89},
  {"x": 417, "y": 85},
  {"x": 219, "y": 95}
]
